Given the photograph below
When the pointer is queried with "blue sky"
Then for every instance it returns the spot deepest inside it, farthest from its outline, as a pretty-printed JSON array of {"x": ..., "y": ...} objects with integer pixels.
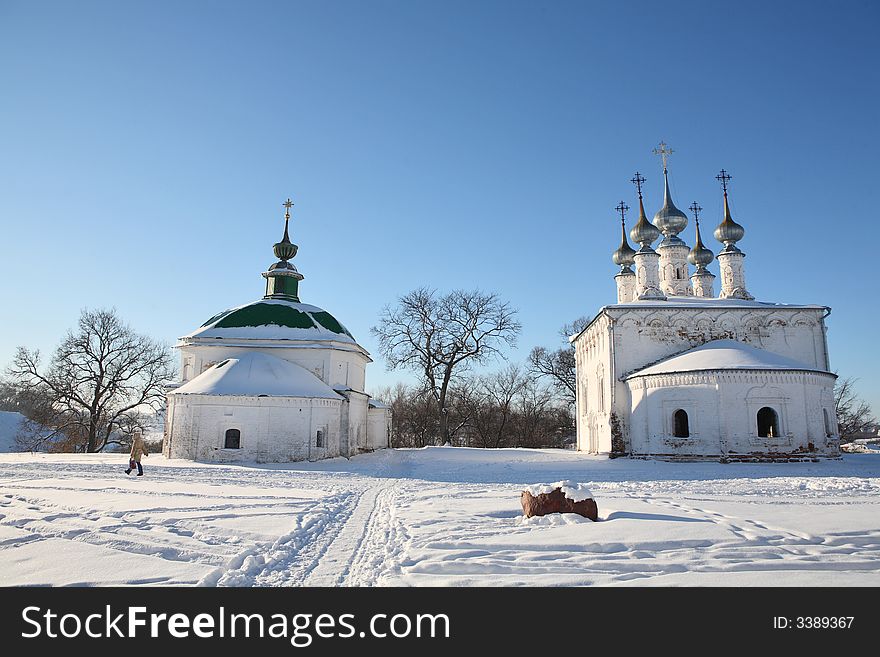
[{"x": 145, "y": 150}]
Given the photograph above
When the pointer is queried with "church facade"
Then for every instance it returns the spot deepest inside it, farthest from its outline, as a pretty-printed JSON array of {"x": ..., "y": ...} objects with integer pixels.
[
  {"x": 672, "y": 371},
  {"x": 273, "y": 380}
]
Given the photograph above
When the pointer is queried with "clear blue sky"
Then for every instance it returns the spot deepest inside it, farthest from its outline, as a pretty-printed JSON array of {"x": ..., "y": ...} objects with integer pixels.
[{"x": 145, "y": 150}]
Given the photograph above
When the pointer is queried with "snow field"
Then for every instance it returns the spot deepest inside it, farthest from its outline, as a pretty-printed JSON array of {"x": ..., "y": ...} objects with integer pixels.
[{"x": 436, "y": 516}]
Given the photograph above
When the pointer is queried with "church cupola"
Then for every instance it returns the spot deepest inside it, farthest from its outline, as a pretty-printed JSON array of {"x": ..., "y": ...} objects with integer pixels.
[
  {"x": 702, "y": 279},
  {"x": 730, "y": 258},
  {"x": 646, "y": 258},
  {"x": 282, "y": 279},
  {"x": 673, "y": 251},
  {"x": 624, "y": 258}
]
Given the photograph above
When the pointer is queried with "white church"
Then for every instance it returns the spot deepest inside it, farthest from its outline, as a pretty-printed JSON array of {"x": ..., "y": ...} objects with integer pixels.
[
  {"x": 671, "y": 371},
  {"x": 273, "y": 380}
]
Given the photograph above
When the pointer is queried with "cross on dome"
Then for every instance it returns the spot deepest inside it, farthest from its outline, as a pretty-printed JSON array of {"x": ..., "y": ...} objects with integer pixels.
[
  {"x": 664, "y": 152},
  {"x": 724, "y": 178},
  {"x": 638, "y": 180}
]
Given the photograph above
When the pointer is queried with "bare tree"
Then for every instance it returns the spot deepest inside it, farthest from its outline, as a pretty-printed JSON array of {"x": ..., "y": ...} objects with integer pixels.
[
  {"x": 492, "y": 407},
  {"x": 440, "y": 336},
  {"x": 102, "y": 378},
  {"x": 854, "y": 415},
  {"x": 559, "y": 365}
]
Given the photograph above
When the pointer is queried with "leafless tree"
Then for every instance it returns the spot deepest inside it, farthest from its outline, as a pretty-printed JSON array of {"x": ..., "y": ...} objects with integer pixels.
[
  {"x": 102, "y": 378},
  {"x": 439, "y": 337},
  {"x": 854, "y": 415},
  {"x": 559, "y": 365},
  {"x": 491, "y": 409}
]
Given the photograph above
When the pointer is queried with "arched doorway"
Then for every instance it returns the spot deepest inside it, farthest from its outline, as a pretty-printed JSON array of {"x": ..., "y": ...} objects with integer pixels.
[
  {"x": 681, "y": 427},
  {"x": 768, "y": 423}
]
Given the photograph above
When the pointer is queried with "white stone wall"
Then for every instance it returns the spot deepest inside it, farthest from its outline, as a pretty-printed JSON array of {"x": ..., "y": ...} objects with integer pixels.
[
  {"x": 702, "y": 284},
  {"x": 722, "y": 409},
  {"x": 647, "y": 274},
  {"x": 674, "y": 270},
  {"x": 626, "y": 287},
  {"x": 623, "y": 339},
  {"x": 273, "y": 429},
  {"x": 378, "y": 427},
  {"x": 595, "y": 389},
  {"x": 733, "y": 277}
]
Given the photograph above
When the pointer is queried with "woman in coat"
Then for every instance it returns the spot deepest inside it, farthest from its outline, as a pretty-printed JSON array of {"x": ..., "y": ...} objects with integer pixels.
[{"x": 137, "y": 450}]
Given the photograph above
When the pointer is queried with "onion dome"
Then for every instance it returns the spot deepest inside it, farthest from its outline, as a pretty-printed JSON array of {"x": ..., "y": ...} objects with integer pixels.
[
  {"x": 728, "y": 231},
  {"x": 623, "y": 256},
  {"x": 669, "y": 219},
  {"x": 644, "y": 232},
  {"x": 699, "y": 256}
]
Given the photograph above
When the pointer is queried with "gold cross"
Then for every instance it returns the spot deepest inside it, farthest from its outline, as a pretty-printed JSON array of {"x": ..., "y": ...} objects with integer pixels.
[{"x": 287, "y": 204}]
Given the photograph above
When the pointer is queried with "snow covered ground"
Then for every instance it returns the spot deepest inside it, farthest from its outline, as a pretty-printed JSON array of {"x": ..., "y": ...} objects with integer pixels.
[{"x": 436, "y": 516}]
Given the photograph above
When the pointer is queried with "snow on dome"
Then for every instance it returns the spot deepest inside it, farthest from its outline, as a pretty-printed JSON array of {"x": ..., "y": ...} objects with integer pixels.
[
  {"x": 572, "y": 490},
  {"x": 257, "y": 374},
  {"x": 273, "y": 319},
  {"x": 723, "y": 355}
]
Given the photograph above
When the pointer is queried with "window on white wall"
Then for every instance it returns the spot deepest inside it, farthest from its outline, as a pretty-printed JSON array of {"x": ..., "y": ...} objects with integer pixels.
[
  {"x": 319, "y": 438},
  {"x": 233, "y": 439},
  {"x": 828, "y": 430},
  {"x": 768, "y": 423},
  {"x": 681, "y": 427}
]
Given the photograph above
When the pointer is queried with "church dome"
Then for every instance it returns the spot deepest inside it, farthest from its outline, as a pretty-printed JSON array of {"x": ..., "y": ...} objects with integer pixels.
[
  {"x": 273, "y": 319},
  {"x": 669, "y": 219},
  {"x": 700, "y": 256},
  {"x": 624, "y": 255},
  {"x": 644, "y": 232},
  {"x": 279, "y": 315},
  {"x": 728, "y": 232}
]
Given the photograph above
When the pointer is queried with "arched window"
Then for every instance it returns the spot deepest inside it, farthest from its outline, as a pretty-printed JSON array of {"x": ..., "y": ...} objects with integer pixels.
[
  {"x": 233, "y": 439},
  {"x": 768, "y": 423},
  {"x": 681, "y": 428},
  {"x": 828, "y": 431}
]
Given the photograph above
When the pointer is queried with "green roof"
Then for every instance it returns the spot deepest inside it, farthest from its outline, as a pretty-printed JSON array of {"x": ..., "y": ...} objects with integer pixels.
[{"x": 274, "y": 319}]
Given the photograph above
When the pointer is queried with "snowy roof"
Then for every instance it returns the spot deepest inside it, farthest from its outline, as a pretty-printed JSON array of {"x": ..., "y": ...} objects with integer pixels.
[
  {"x": 254, "y": 375},
  {"x": 697, "y": 303},
  {"x": 708, "y": 302},
  {"x": 723, "y": 355},
  {"x": 273, "y": 319},
  {"x": 375, "y": 403}
]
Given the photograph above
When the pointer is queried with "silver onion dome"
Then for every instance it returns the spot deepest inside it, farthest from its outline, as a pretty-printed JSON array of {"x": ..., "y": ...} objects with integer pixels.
[
  {"x": 644, "y": 232},
  {"x": 700, "y": 256},
  {"x": 669, "y": 219},
  {"x": 624, "y": 255},
  {"x": 728, "y": 231}
]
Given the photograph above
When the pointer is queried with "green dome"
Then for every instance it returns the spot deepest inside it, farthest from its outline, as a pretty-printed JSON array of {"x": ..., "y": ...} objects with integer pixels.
[{"x": 274, "y": 319}]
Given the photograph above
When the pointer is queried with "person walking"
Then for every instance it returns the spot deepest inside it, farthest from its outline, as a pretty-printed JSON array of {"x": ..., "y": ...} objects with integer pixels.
[{"x": 138, "y": 449}]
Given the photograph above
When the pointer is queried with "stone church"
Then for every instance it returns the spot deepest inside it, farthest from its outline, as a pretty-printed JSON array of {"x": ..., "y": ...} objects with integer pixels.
[
  {"x": 671, "y": 371},
  {"x": 273, "y": 380}
]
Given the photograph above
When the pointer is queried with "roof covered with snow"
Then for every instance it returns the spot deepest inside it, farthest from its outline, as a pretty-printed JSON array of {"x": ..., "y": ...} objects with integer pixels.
[
  {"x": 273, "y": 319},
  {"x": 257, "y": 375},
  {"x": 723, "y": 355},
  {"x": 708, "y": 302}
]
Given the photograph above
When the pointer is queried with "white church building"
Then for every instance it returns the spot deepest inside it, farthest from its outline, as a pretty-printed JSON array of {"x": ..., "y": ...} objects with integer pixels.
[
  {"x": 671, "y": 371},
  {"x": 273, "y": 380}
]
